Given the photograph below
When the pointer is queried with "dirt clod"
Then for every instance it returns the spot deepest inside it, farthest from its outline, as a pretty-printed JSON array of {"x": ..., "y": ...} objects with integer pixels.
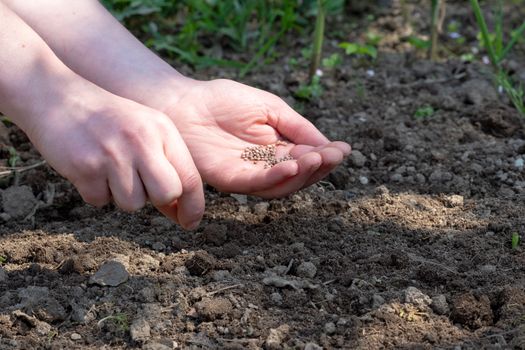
[
  {"x": 200, "y": 263},
  {"x": 112, "y": 273},
  {"x": 18, "y": 201},
  {"x": 211, "y": 309},
  {"x": 471, "y": 311}
]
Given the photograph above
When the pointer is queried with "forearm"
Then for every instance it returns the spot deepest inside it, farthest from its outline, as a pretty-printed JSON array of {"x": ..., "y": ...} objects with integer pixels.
[
  {"x": 92, "y": 43},
  {"x": 30, "y": 74}
]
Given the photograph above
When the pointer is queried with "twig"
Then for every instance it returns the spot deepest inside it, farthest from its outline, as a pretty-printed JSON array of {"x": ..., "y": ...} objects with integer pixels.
[
  {"x": 209, "y": 294},
  {"x": 11, "y": 170}
]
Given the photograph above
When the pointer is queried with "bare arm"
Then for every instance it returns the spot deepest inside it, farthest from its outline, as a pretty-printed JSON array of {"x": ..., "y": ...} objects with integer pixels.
[
  {"x": 95, "y": 45},
  {"x": 107, "y": 146}
]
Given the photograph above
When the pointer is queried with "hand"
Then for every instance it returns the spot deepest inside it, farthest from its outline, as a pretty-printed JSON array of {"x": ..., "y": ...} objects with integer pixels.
[
  {"x": 218, "y": 119},
  {"x": 113, "y": 148}
]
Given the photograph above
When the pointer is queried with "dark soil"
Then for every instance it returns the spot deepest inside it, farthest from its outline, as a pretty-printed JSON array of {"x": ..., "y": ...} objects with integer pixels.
[{"x": 407, "y": 245}]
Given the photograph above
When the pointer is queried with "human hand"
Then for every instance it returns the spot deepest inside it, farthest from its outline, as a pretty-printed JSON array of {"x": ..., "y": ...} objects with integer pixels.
[
  {"x": 113, "y": 148},
  {"x": 218, "y": 119}
]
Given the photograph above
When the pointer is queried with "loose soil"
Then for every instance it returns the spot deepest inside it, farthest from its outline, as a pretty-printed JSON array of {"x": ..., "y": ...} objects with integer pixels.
[{"x": 407, "y": 245}]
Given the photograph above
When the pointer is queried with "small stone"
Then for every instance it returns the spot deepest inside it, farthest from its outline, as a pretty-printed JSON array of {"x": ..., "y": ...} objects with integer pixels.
[
  {"x": 416, "y": 297},
  {"x": 75, "y": 336},
  {"x": 5, "y": 217},
  {"x": 18, "y": 201},
  {"x": 112, "y": 273},
  {"x": 261, "y": 208},
  {"x": 276, "y": 298},
  {"x": 329, "y": 328},
  {"x": 3, "y": 275},
  {"x": 312, "y": 346},
  {"x": 276, "y": 337},
  {"x": 211, "y": 309},
  {"x": 439, "y": 176},
  {"x": 377, "y": 301},
  {"x": 158, "y": 246},
  {"x": 453, "y": 201},
  {"x": 396, "y": 178},
  {"x": 519, "y": 163},
  {"x": 241, "y": 198},
  {"x": 358, "y": 159},
  {"x": 363, "y": 180},
  {"x": 307, "y": 270},
  {"x": 439, "y": 304},
  {"x": 140, "y": 330},
  {"x": 488, "y": 268}
]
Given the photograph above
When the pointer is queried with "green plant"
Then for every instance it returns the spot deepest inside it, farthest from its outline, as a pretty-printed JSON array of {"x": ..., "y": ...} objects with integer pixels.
[
  {"x": 515, "y": 240},
  {"x": 13, "y": 157},
  {"x": 3, "y": 260},
  {"x": 437, "y": 15},
  {"x": 497, "y": 51},
  {"x": 424, "y": 112},
  {"x": 332, "y": 61},
  {"x": 418, "y": 43},
  {"x": 311, "y": 90},
  {"x": 359, "y": 49},
  {"x": 120, "y": 320},
  {"x": 317, "y": 40}
]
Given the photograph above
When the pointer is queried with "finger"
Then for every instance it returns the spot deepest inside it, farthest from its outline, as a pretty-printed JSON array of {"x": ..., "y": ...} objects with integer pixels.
[
  {"x": 332, "y": 157},
  {"x": 126, "y": 188},
  {"x": 293, "y": 126},
  {"x": 190, "y": 205},
  {"x": 160, "y": 179},
  {"x": 299, "y": 150},
  {"x": 254, "y": 179},
  {"x": 169, "y": 210},
  {"x": 307, "y": 164},
  {"x": 94, "y": 192}
]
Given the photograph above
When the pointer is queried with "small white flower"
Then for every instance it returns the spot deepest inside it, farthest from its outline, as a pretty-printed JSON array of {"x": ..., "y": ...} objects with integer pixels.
[
  {"x": 500, "y": 89},
  {"x": 454, "y": 35},
  {"x": 474, "y": 50},
  {"x": 370, "y": 73},
  {"x": 485, "y": 60},
  {"x": 319, "y": 73}
]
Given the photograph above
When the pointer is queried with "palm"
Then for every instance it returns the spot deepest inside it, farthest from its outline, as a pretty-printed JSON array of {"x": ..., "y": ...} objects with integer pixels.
[{"x": 219, "y": 119}]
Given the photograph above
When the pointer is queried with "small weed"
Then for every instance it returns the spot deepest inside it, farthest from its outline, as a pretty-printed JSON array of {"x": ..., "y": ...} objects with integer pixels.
[
  {"x": 310, "y": 91},
  {"x": 515, "y": 240},
  {"x": 359, "y": 49},
  {"x": 424, "y": 112},
  {"x": 120, "y": 320},
  {"x": 333, "y": 61},
  {"x": 3, "y": 260},
  {"x": 13, "y": 157},
  {"x": 497, "y": 51},
  {"x": 419, "y": 43}
]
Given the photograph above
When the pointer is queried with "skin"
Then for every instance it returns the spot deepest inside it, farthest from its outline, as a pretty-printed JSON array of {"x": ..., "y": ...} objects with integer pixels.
[{"x": 217, "y": 119}]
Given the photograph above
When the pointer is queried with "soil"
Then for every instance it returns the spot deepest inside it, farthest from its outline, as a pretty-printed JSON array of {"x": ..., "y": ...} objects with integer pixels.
[{"x": 407, "y": 245}]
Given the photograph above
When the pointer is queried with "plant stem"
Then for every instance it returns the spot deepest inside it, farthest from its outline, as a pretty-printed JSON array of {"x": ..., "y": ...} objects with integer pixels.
[
  {"x": 485, "y": 33},
  {"x": 435, "y": 19},
  {"x": 318, "y": 39}
]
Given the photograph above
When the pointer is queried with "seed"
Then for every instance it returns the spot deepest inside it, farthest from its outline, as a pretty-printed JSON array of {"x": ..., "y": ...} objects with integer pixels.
[{"x": 266, "y": 153}]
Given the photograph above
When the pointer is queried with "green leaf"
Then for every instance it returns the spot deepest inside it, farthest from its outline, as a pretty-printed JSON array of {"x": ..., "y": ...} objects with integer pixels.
[{"x": 515, "y": 240}]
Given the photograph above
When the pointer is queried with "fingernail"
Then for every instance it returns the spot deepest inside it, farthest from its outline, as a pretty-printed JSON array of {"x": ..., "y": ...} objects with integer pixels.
[{"x": 193, "y": 226}]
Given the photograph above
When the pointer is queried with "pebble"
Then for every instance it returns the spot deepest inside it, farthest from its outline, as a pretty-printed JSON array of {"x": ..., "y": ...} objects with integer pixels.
[
  {"x": 18, "y": 201},
  {"x": 488, "y": 268},
  {"x": 158, "y": 246},
  {"x": 140, "y": 330},
  {"x": 312, "y": 346},
  {"x": 112, "y": 273},
  {"x": 358, "y": 159},
  {"x": 307, "y": 270},
  {"x": 377, "y": 301},
  {"x": 276, "y": 337},
  {"x": 439, "y": 176},
  {"x": 75, "y": 336},
  {"x": 363, "y": 180},
  {"x": 329, "y": 328},
  {"x": 3, "y": 275},
  {"x": 518, "y": 163},
  {"x": 396, "y": 177},
  {"x": 439, "y": 304},
  {"x": 261, "y": 208},
  {"x": 416, "y": 297},
  {"x": 276, "y": 298}
]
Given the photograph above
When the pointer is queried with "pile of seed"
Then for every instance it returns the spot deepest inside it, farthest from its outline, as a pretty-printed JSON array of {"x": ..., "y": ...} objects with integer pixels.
[{"x": 264, "y": 153}]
